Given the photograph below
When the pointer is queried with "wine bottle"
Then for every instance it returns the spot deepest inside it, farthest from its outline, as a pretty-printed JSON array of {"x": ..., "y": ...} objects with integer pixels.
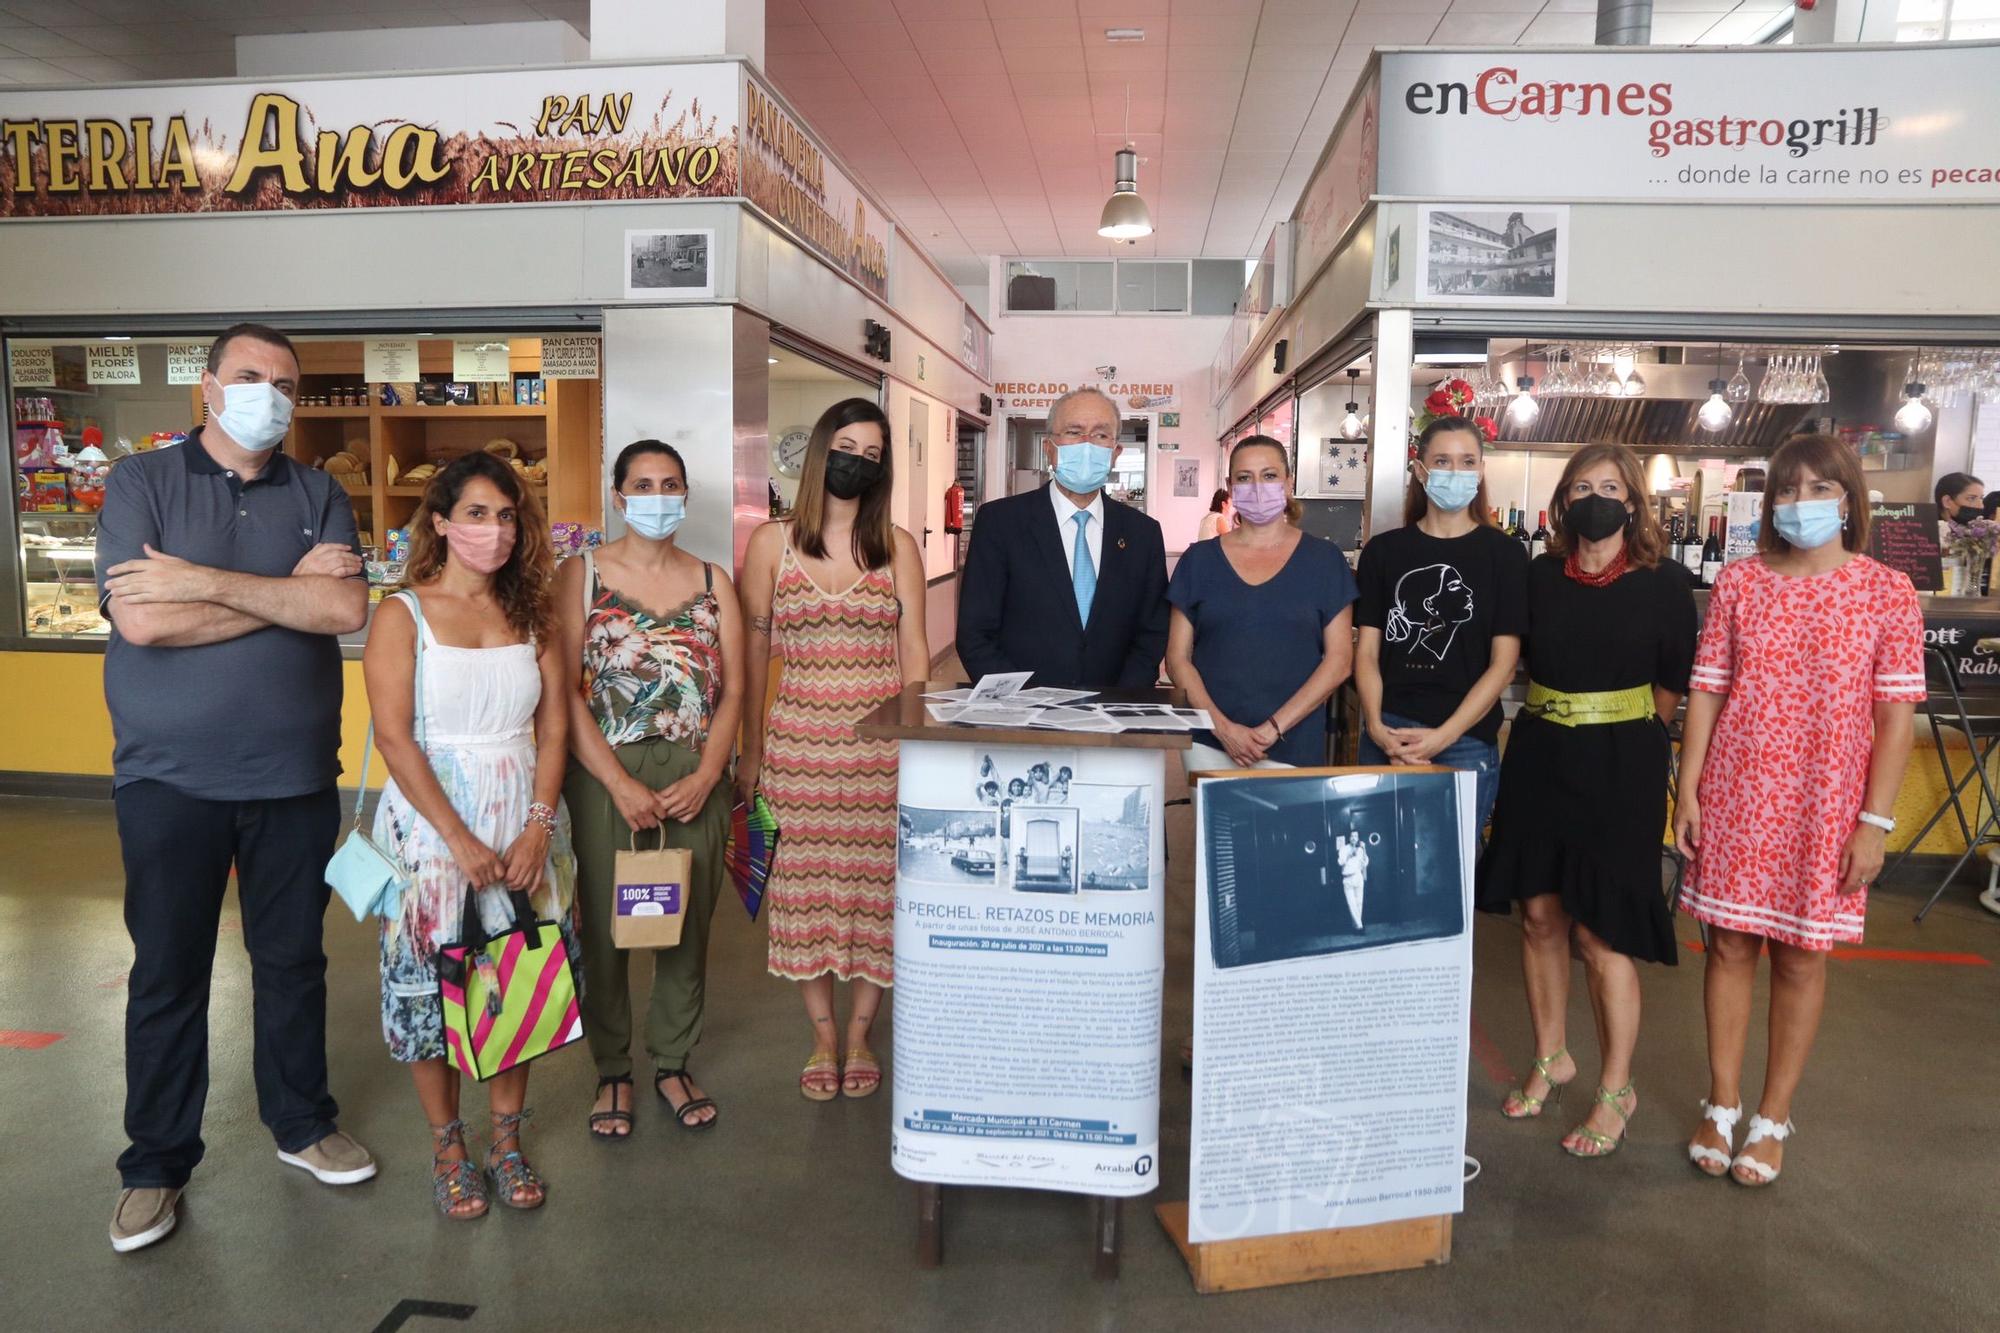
[
  {"x": 1691, "y": 551},
  {"x": 1538, "y": 542},
  {"x": 1711, "y": 552}
]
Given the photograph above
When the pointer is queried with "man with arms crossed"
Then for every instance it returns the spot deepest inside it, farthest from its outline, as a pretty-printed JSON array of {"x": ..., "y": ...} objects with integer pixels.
[{"x": 227, "y": 571}]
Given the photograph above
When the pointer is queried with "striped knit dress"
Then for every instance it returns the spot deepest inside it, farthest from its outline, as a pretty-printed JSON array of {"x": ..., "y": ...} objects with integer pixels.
[{"x": 832, "y": 895}]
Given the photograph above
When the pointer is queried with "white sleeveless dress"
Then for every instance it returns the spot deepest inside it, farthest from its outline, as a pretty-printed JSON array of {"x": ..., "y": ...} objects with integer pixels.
[{"x": 476, "y": 722}]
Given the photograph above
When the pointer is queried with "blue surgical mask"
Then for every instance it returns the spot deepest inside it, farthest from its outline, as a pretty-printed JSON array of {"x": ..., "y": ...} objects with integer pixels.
[
  {"x": 1083, "y": 468},
  {"x": 256, "y": 416},
  {"x": 1450, "y": 491},
  {"x": 655, "y": 516},
  {"x": 1810, "y": 524}
]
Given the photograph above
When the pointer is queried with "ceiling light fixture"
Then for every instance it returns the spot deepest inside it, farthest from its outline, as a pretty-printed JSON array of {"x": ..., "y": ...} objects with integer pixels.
[
  {"x": 1524, "y": 409},
  {"x": 1913, "y": 416},
  {"x": 1716, "y": 413},
  {"x": 1124, "y": 34},
  {"x": 1125, "y": 214},
  {"x": 1351, "y": 425}
]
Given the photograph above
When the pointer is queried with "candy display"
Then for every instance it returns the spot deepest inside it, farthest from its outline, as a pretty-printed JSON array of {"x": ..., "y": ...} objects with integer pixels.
[
  {"x": 86, "y": 476},
  {"x": 573, "y": 539}
]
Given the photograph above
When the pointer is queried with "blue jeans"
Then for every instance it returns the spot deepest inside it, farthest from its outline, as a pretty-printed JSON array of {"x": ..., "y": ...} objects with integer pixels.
[{"x": 1474, "y": 756}]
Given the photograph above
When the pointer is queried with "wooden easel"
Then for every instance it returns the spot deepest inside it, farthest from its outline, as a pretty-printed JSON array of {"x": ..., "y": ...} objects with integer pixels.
[
  {"x": 1307, "y": 1256},
  {"x": 1106, "y": 1231}
]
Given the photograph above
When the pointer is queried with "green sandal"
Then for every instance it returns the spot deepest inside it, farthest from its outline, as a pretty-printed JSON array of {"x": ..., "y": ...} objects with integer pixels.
[
  {"x": 1604, "y": 1143},
  {"x": 1530, "y": 1107}
]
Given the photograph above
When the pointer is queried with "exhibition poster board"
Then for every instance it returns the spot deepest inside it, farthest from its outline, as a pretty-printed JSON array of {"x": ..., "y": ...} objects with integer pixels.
[
  {"x": 1030, "y": 955},
  {"x": 1332, "y": 999}
]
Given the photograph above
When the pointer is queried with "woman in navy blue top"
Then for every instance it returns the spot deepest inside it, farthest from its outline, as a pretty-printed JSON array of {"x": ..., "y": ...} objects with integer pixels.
[{"x": 1262, "y": 629}]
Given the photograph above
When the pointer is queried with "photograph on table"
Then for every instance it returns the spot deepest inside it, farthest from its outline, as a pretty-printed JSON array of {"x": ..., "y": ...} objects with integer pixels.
[
  {"x": 1306, "y": 866},
  {"x": 1115, "y": 846},
  {"x": 1006, "y": 774},
  {"x": 1038, "y": 845},
  {"x": 948, "y": 846}
]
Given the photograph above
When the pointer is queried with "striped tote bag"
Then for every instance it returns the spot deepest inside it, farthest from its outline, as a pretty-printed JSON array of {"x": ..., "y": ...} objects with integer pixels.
[{"x": 507, "y": 998}]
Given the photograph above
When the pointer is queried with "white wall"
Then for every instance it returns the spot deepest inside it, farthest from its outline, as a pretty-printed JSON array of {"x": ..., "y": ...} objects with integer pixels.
[
  {"x": 381, "y": 50},
  {"x": 1065, "y": 349}
]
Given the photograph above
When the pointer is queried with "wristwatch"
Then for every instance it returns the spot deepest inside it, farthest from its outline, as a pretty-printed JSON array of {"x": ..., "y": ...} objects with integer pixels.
[{"x": 1886, "y": 823}]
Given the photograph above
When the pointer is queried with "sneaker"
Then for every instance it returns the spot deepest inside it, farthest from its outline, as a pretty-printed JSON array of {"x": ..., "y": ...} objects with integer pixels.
[
  {"x": 1990, "y": 900},
  {"x": 143, "y": 1216},
  {"x": 334, "y": 1160}
]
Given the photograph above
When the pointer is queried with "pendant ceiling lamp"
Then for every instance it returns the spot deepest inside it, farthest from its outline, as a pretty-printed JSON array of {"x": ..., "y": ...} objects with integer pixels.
[
  {"x": 1351, "y": 425},
  {"x": 1914, "y": 416},
  {"x": 1126, "y": 217},
  {"x": 1524, "y": 409}
]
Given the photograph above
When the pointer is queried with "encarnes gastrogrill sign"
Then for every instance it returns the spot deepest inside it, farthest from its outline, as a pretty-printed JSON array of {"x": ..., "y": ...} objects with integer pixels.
[{"x": 534, "y": 136}]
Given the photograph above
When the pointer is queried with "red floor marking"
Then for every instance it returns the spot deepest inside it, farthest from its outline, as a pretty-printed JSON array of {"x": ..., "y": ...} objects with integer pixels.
[
  {"x": 28, "y": 1041},
  {"x": 1488, "y": 1054},
  {"x": 1843, "y": 954}
]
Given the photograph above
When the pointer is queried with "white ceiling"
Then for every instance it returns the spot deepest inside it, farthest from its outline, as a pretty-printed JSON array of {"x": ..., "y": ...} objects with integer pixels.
[{"x": 989, "y": 126}]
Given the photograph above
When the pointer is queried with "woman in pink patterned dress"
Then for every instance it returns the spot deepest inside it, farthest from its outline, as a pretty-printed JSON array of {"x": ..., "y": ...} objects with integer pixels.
[
  {"x": 1798, "y": 729},
  {"x": 837, "y": 591}
]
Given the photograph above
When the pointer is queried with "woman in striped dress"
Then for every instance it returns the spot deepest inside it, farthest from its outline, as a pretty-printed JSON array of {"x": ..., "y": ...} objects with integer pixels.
[{"x": 837, "y": 591}]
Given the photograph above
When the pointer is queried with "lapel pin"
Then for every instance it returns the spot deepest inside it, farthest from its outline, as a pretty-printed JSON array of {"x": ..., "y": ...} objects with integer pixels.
[{"x": 1121, "y": 543}]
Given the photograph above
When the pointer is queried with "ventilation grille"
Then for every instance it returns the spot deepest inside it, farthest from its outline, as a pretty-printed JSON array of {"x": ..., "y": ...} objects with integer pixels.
[{"x": 1653, "y": 425}]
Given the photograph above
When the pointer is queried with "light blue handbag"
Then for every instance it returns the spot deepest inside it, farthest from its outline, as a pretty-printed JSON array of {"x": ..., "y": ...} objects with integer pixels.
[{"x": 367, "y": 878}]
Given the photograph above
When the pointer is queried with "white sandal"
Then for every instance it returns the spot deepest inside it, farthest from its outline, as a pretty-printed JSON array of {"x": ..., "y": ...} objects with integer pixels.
[
  {"x": 1725, "y": 1118},
  {"x": 1760, "y": 1128}
]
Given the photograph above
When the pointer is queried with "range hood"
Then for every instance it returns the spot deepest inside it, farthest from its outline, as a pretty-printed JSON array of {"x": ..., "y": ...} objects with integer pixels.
[{"x": 1661, "y": 420}]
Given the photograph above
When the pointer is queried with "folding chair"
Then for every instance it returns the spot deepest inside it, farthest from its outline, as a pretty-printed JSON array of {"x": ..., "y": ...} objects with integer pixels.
[{"x": 1948, "y": 710}]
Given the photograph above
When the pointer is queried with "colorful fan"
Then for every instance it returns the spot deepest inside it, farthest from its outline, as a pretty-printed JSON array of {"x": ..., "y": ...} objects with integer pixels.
[{"x": 753, "y": 843}]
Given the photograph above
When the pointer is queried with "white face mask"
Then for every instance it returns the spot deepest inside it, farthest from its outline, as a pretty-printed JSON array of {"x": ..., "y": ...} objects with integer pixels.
[{"x": 256, "y": 416}]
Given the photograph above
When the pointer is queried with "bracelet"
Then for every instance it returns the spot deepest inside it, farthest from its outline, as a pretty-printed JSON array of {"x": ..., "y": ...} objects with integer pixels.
[
  {"x": 545, "y": 815},
  {"x": 1272, "y": 722},
  {"x": 1884, "y": 822}
]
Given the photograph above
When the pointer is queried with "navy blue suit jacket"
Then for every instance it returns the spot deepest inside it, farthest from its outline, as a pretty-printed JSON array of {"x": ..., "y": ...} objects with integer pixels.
[{"x": 1017, "y": 604}]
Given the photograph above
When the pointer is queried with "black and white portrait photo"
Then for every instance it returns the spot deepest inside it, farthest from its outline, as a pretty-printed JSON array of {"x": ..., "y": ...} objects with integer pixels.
[
  {"x": 1116, "y": 843},
  {"x": 669, "y": 265},
  {"x": 1008, "y": 774},
  {"x": 1040, "y": 849},
  {"x": 1306, "y": 866},
  {"x": 948, "y": 846},
  {"x": 1475, "y": 253}
]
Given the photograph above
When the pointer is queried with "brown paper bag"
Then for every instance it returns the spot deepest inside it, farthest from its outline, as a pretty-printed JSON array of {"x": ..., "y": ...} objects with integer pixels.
[{"x": 649, "y": 896}]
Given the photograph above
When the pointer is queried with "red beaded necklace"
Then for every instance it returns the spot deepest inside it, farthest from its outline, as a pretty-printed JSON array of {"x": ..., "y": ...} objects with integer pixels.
[{"x": 1608, "y": 574}]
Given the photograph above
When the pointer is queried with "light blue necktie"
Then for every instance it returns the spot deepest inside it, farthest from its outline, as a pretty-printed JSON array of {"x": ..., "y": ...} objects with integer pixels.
[{"x": 1083, "y": 574}]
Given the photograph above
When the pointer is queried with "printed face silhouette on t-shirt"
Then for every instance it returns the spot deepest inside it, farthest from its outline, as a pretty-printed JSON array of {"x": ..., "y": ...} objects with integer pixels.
[{"x": 1431, "y": 603}]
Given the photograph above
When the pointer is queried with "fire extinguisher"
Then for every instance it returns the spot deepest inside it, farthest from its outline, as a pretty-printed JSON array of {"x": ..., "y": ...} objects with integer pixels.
[{"x": 954, "y": 508}]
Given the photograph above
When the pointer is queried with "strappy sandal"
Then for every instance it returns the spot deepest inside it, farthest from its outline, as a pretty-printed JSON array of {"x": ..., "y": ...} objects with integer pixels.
[
  {"x": 509, "y": 1170},
  {"x": 1725, "y": 1118},
  {"x": 1527, "y": 1108},
  {"x": 614, "y": 1116},
  {"x": 461, "y": 1183},
  {"x": 1604, "y": 1144},
  {"x": 819, "y": 1081},
  {"x": 1761, "y": 1128},
  {"x": 692, "y": 1106},
  {"x": 862, "y": 1065}
]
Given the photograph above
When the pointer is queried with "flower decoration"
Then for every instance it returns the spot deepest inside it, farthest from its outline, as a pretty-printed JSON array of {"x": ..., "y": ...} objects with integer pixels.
[
  {"x": 1452, "y": 398},
  {"x": 1978, "y": 540}
]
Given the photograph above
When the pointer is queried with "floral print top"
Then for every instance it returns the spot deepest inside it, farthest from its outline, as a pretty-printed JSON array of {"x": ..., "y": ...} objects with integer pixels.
[{"x": 651, "y": 677}]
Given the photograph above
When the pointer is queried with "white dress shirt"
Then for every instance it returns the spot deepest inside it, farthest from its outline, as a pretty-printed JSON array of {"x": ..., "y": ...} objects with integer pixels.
[{"x": 1066, "y": 528}]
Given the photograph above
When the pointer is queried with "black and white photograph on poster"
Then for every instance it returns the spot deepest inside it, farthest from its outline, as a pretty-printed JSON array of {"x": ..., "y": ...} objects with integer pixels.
[
  {"x": 1360, "y": 861},
  {"x": 1039, "y": 842},
  {"x": 669, "y": 265},
  {"x": 1475, "y": 252},
  {"x": 1114, "y": 841},
  {"x": 948, "y": 846},
  {"x": 1187, "y": 477},
  {"x": 1036, "y": 777}
]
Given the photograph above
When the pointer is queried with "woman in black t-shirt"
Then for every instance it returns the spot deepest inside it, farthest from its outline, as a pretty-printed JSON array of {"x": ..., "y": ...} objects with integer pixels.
[{"x": 1443, "y": 608}]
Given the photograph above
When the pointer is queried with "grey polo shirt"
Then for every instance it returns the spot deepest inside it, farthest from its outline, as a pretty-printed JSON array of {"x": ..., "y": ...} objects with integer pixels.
[{"x": 256, "y": 717}]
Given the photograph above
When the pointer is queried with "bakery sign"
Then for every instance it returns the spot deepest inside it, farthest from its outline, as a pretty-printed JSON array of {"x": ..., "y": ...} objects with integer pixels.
[
  {"x": 786, "y": 174},
  {"x": 1130, "y": 395},
  {"x": 577, "y": 135}
]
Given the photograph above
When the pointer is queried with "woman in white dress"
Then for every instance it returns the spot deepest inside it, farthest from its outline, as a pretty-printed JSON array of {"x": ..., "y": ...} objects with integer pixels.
[{"x": 470, "y": 715}]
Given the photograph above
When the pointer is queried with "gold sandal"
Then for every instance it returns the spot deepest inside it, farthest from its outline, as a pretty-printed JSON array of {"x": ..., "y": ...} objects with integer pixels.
[
  {"x": 822, "y": 1061},
  {"x": 1530, "y": 1107},
  {"x": 1604, "y": 1143},
  {"x": 861, "y": 1065}
]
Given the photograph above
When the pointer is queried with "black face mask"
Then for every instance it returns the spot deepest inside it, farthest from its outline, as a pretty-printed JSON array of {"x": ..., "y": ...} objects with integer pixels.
[
  {"x": 1595, "y": 517},
  {"x": 848, "y": 476}
]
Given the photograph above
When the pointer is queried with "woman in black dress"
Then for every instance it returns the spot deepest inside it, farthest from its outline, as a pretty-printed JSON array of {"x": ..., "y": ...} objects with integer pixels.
[{"x": 1583, "y": 788}]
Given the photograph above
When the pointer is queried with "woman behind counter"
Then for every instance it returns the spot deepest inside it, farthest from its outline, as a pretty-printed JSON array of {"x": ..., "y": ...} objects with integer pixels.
[
  {"x": 1810, "y": 670},
  {"x": 1444, "y": 603},
  {"x": 475, "y": 801},
  {"x": 1583, "y": 788},
  {"x": 660, "y": 640},
  {"x": 837, "y": 591},
  {"x": 1218, "y": 519},
  {"x": 1261, "y": 633}
]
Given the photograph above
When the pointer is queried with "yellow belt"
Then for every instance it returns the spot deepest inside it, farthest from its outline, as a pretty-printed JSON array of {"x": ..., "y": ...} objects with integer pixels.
[{"x": 1584, "y": 710}]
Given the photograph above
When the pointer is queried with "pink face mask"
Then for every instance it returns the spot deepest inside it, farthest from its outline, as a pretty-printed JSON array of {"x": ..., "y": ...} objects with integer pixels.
[
  {"x": 1259, "y": 502},
  {"x": 480, "y": 547}
]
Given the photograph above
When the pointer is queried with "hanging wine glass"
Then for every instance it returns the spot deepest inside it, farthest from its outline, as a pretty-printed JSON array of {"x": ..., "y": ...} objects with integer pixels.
[
  {"x": 1768, "y": 391},
  {"x": 1821, "y": 390},
  {"x": 1738, "y": 390}
]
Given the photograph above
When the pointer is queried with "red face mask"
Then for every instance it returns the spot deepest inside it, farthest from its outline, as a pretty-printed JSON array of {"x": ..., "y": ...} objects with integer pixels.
[{"x": 480, "y": 547}]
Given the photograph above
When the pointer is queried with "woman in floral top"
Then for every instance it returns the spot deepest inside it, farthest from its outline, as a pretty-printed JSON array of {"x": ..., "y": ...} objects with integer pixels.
[{"x": 660, "y": 639}]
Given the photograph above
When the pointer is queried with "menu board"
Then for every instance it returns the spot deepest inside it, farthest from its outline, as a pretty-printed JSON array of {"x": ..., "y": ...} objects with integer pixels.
[{"x": 1905, "y": 537}]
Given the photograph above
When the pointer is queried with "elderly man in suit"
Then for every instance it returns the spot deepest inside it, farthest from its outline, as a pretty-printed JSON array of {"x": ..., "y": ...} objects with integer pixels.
[{"x": 1062, "y": 581}]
